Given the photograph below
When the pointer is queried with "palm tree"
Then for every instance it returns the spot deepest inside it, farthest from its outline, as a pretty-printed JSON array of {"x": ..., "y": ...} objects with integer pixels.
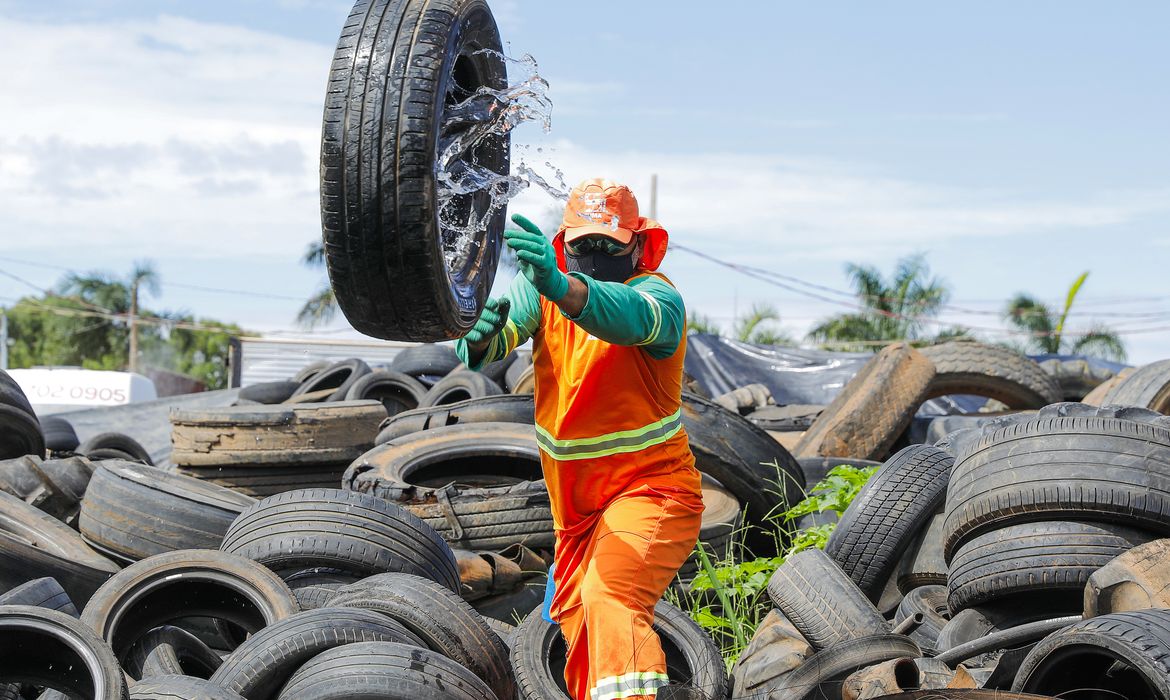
[
  {"x": 142, "y": 276},
  {"x": 697, "y": 323},
  {"x": 1046, "y": 329},
  {"x": 322, "y": 306},
  {"x": 751, "y": 328},
  {"x": 894, "y": 309}
]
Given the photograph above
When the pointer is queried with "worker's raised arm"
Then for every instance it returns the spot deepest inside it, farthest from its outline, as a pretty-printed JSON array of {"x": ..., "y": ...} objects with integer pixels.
[
  {"x": 646, "y": 311},
  {"x": 497, "y": 332}
]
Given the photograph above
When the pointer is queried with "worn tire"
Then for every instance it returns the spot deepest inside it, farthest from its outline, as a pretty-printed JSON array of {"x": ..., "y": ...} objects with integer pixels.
[
  {"x": 441, "y": 619},
  {"x": 931, "y": 602},
  {"x": 178, "y": 687},
  {"x": 1148, "y": 387},
  {"x": 980, "y": 621},
  {"x": 59, "y": 434},
  {"x": 282, "y": 435},
  {"x": 43, "y": 647},
  {"x": 992, "y": 371},
  {"x": 894, "y": 506},
  {"x": 261, "y": 665},
  {"x": 431, "y": 474},
  {"x": 512, "y": 376},
  {"x": 398, "y": 392},
  {"x": 538, "y": 656},
  {"x": 1067, "y": 462},
  {"x": 212, "y": 584},
  {"x": 873, "y": 409},
  {"x": 41, "y": 593},
  {"x": 502, "y": 408},
  {"x": 113, "y": 446},
  {"x": 269, "y": 392},
  {"x": 351, "y": 531},
  {"x": 138, "y": 511},
  {"x": 385, "y": 249},
  {"x": 1096, "y": 397},
  {"x": 339, "y": 377},
  {"x": 387, "y": 670},
  {"x": 822, "y": 674},
  {"x": 460, "y": 386},
  {"x": 1050, "y": 560},
  {"x": 20, "y": 431},
  {"x": 313, "y": 597},
  {"x": 34, "y": 545},
  {"x": 1133, "y": 581},
  {"x": 822, "y": 601},
  {"x": 428, "y": 359},
  {"x": 923, "y": 563},
  {"x": 268, "y": 480},
  {"x": 1087, "y": 655},
  {"x": 170, "y": 651},
  {"x": 526, "y": 381}
]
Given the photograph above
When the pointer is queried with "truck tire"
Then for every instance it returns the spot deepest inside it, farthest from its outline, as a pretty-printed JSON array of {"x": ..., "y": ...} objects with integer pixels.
[
  {"x": 691, "y": 656},
  {"x": 822, "y": 602},
  {"x": 261, "y": 665},
  {"x": 396, "y": 271},
  {"x": 440, "y": 618},
  {"x": 479, "y": 485},
  {"x": 137, "y": 511},
  {"x": 1120, "y": 655},
  {"x": 48, "y": 648},
  {"x": 351, "y": 531},
  {"x": 388, "y": 670},
  {"x": 1148, "y": 387},
  {"x": 894, "y": 506},
  {"x": 873, "y": 409},
  {"x": 993, "y": 371},
  {"x": 1069, "y": 461}
]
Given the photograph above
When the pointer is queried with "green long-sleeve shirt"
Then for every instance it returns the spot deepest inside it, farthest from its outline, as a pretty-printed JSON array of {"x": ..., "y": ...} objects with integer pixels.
[{"x": 646, "y": 311}]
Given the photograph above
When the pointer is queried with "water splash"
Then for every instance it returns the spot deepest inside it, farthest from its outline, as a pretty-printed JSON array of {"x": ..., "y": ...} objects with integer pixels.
[{"x": 470, "y": 124}]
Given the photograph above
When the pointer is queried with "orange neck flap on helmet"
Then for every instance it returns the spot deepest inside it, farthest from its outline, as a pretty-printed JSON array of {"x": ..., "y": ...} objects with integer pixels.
[{"x": 654, "y": 243}]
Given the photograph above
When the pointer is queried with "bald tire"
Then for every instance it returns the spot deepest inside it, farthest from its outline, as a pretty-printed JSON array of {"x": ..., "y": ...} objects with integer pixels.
[
  {"x": 822, "y": 674},
  {"x": 1148, "y": 387},
  {"x": 873, "y": 409},
  {"x": 383, "y": 670},
  {"x": 894, "y": 506},
  {"x": 47, "y": 648},
  {"x": 170, "y": 651},
  {"x": 441, "y": 619},
  {"x": 822, "y": 602},
  {"x": 993, "y": 371},
  {"x": 42, "y": 593},
  {"x": 178, "y": 687}
]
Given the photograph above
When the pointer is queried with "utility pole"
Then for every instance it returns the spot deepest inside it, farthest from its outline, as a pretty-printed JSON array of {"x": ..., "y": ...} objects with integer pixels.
[
  {"x": 3, "y": 340},
  {"x": 133, "y": 363},
  {"x": 654, "y": 195}
]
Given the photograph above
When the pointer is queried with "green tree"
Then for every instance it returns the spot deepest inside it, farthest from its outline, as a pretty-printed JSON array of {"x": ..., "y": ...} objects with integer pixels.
[
  {"x": 897, "y": 308},
  {"x": 753, "y": 327},
  {"x": 697, "y": 323},
  {"x": 1046, "y": 328},
  {"x": 143, "y": 276}
]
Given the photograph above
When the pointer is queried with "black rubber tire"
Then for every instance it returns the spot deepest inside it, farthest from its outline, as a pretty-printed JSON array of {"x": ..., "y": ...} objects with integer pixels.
[
  {"x": 442, "y": 620},
  {"x": 428, "y": 359},
  {"x": 822, "y": 602},
  {"x": 993, "y": 371},
  {"x": 516, "y": 370},
  {"x": 210, "y": 583},
  {"x": 1050, "y": 560},
  {"x": 138, "y": 511},
  {"x": 395, "y": 68},
  {"x": 48, "y": 648},
  {"x": 503, "y": 631},
  {"x": 339, "y": 376},
  {"x": 269, "y": 392},
  {"x": 538, "y": 656},
  {"x": 822, "y": 674},
  {"x": 977, "y": 622},
  {"x": 1148, "y": 387},
  {"x": 315, "y": 596},
  {"x": 923, "y": 563},
  {"x": 460, "y": 386},
  {"x": 1122, "y": 654},
  {"x": 398, "y": 392},
  {"x": 893, "y": 507},
  {"x": 429, "y": 470},
  {"x": 873, "y": 409},
  {"x": 931, "y": 603},
  {"x": 54, "y": 486},
  {"x": 269, "y": 480},
  {"x": 261, "y": 665},
  {"x": 1068, "y": 462},
  {"x": 340, "y": 529},
  {"x": 112, "y": 446},
  {"x": 309, "y": 371},
  {"x": 816, "y": 468},
  {"x": 497, "y": 371},
  {"x": 722, "y": 517},
  {"x": 34, "y": 545},
  {"x": 179, "y": 688},
  {"x": 41, "y": 593},
  {"x": 20, "y": 431},
  {"x": 387, "y": 670},
  {"x": 59, "y": 434},
  {"x": 170, "y": 651},
  {"x": 963, "y": 694},
  {"x": 502, "y": 408},
  {"x": 741, "y": 457}
]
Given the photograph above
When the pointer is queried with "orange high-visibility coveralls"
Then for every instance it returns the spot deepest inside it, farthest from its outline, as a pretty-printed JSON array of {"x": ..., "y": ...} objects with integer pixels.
[{"x": 625, "y": 495}]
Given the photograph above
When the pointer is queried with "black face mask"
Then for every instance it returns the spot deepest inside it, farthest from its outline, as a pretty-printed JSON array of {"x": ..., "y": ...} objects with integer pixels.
[{"x": 602, "y": 267}]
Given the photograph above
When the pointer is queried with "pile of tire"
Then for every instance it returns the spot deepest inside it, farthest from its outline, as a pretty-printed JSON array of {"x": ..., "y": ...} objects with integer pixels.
[{"x": 1022, "y": 556}]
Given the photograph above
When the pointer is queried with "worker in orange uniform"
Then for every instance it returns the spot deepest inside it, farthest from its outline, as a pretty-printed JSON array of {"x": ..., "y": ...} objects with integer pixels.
[{"x": 609, "y": 339}]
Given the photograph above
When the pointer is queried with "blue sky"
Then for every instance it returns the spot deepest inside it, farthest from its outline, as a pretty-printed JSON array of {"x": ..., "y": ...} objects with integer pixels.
[{"x": 1015, "y": 144}]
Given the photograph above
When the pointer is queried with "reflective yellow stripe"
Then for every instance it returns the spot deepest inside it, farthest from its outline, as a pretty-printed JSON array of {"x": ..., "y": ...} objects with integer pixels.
[
  {"x": 621, "y": 442},
  {"x": 656, "y": 312},
  {"x": 628, "y": 685}
]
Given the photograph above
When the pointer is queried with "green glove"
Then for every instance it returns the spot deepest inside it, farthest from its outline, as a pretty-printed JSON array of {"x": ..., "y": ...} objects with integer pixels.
[
  {"x": 491, "y": 322},
  {"x": 538, "y": 260}
]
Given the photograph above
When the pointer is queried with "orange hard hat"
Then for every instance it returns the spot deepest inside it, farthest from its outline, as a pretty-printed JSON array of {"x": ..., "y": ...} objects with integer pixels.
[{"x": 599, "y": 206}]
